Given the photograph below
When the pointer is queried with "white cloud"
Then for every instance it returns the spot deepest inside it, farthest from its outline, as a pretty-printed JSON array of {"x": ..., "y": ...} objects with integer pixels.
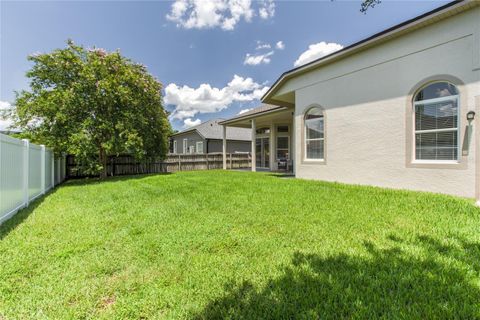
[
  {"x": 267, "y": 9},
  {"x": 245, "y": 110},
  {"x": 4, "y": 123},
  {"x": 316, "y": 51},
  {"x": 187, "y": 123},
  {"x": 253, "y": 60},
  {"x": 189, "y": 102},
  {"x": 262, "y": 45},
  {"x": 204, "y": 14},
  {"x": 280, "y": 45},
  {"x": 264, "y": 58}
]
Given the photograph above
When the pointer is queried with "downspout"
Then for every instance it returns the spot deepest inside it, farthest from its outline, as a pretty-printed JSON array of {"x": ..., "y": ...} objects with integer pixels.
[{"x": 206, "y": 142}]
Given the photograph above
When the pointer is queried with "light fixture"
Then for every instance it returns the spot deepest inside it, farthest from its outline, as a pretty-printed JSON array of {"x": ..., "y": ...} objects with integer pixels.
[{"x": 470, "y": 115}]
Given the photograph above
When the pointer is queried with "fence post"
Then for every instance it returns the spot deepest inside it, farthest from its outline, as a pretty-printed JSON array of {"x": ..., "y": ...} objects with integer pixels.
[
  {"x": 58, "y": 170},
  {"x": 62, "y": 168},
  {"x": 42, "y": 169},
  {"x": 53, "y": 169},
  {"x": 231, "y": 167},
  {"x": 179, "y": 163},
  {"x": 26, "y": 165}
]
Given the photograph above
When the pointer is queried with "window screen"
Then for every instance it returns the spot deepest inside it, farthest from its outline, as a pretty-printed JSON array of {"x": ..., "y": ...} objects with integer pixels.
[
  {"x": 436, "y": 122},
  {"x": 314, "y": 134}
]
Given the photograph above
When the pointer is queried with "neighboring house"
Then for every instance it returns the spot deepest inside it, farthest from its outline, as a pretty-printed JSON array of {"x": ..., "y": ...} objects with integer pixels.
[
  {"x": 207, "y": 138},
  {"x": 394, "y": 110}
]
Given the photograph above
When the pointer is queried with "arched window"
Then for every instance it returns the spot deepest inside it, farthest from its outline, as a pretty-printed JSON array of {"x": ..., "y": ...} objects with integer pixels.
[
  {"x": 314, "y": 134},
  {"x": 436, "y": 114}
]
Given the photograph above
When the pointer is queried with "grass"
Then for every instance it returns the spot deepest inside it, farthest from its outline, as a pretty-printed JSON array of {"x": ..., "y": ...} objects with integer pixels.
[{"x": 207, "y": 245}]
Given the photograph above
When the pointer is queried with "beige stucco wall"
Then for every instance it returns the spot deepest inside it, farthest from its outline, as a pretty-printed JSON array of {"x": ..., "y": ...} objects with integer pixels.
[{"x": 366, "y": 102}]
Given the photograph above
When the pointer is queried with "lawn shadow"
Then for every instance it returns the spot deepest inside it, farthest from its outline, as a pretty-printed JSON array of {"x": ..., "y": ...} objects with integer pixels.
[
  {"x": 386, "y": 283},
  {"x": 282, "y": 175},
  {"x": 18, "y": 218},
  {"x": 94, "y": 180}
]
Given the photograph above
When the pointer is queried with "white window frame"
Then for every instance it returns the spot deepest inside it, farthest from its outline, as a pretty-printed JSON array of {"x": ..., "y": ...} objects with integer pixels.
[
  {"x": 415, "y": 131},
  {"x": 199, "y": 149},
  {"x": 305, "y": 140},
  {"x": 185, "y": 143},
  {"x": 191, "y": 149},
  {"x": 174, "y": 146}
]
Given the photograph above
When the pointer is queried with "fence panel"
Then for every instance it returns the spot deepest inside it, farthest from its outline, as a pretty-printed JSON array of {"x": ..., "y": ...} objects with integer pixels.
[
  {"x": 63, "y": 173},
  {"x": 25, "y": 173},
  {"x": 35, "y": 172},
  {"x": 11, "y": 176},
  {"x": 56, "y": 168},
  {"x": 59, "y": 169},
  {"x": 48, "y": 169}
]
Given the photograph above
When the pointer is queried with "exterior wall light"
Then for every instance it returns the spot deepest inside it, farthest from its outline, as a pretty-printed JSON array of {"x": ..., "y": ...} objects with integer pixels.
[{"x": 470, "y": 115}]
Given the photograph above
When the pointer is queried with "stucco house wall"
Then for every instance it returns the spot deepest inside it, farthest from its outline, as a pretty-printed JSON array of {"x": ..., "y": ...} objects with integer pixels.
[{"x": 367, "y": 104}]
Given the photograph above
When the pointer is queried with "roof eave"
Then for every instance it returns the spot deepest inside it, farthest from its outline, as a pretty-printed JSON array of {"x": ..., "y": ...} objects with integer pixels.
[
  {"x": 251, "y": 116},
  {"x": 187, "y": 131}
]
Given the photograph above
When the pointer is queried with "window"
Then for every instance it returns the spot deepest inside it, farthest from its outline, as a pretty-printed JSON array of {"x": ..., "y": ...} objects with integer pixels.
[
  {"x": 185, "y": 146},
  {"x": 436, "y": 117},
  {"x": 314, "y": 134},
  {"x": 199, "y": 146},
  {"x": 282, "y": 148},
  {"x": 263, "y": 131},
  {"x": 191, "y": 149},
  {"x": 174, "y": 146}
]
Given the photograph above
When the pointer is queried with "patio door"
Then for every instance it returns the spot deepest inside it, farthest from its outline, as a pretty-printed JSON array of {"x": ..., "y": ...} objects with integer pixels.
[{"x": 262, "y": 149}]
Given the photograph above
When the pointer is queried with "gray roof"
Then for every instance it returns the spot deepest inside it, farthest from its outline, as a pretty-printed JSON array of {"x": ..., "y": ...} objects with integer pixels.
[
  {"x": 212, "y": 130},
  {"x": 263, "y": 108}
]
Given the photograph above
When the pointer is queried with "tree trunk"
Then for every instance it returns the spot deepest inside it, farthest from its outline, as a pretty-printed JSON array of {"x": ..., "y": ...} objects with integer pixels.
[{"x": 103, "y": 162}]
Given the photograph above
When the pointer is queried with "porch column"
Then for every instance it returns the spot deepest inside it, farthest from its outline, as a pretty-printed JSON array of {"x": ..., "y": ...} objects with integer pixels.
[
  {"x": 224, "y": 147},
  {"x": 254, "y": 149},
  {"x": 272, "y": 147},
  {"x": 293, "y": 143}
]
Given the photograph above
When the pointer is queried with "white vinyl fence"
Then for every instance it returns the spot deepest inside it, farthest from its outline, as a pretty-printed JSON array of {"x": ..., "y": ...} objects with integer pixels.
[{"x": 26, "y": 172}]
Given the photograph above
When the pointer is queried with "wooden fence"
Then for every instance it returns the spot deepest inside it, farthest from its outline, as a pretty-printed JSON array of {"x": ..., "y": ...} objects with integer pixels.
[{"x": 128, "y": 165}]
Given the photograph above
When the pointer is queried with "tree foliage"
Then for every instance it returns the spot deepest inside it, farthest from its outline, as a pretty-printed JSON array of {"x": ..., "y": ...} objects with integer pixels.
[
  {"x": 93, "y": 104},
  {"x": 366, "y": 4}
]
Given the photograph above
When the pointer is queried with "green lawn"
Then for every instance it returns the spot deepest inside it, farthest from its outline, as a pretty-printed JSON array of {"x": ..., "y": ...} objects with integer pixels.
[{"x": 242, "y": 245}]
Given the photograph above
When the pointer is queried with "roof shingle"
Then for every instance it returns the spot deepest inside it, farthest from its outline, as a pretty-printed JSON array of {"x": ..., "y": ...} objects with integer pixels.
[{"x": 212, "y": 130}]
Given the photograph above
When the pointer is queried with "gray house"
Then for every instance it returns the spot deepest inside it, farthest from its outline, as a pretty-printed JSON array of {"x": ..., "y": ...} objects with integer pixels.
[{"x": 207, "y": 138}]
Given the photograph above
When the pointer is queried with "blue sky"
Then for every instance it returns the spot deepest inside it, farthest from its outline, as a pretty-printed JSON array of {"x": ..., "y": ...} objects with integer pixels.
[{"x": 202, "y": 62}]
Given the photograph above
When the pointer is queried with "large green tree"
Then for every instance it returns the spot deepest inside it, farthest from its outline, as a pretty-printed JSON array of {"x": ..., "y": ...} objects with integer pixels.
[{"x": 93, "y": 104}]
